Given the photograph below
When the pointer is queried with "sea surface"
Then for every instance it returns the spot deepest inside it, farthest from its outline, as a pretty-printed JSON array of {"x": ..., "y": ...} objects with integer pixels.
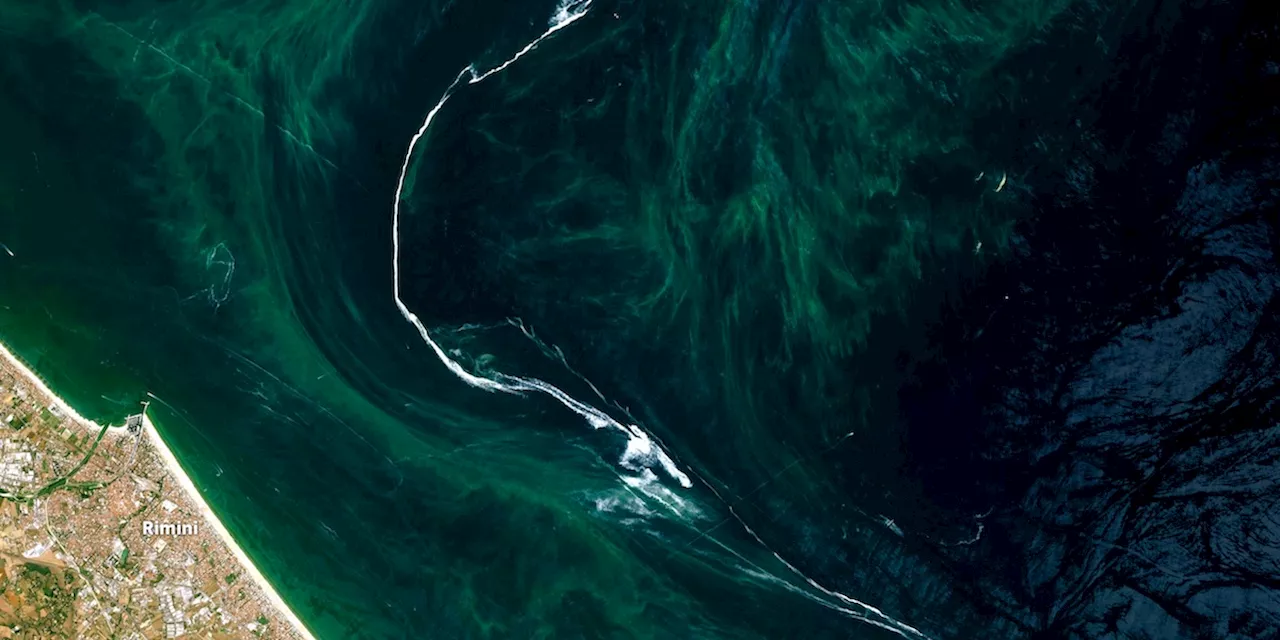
[{"x": 677, "y": 318}]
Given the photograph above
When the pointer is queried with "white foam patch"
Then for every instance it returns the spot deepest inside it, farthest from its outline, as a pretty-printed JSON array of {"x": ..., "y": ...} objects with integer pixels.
[{"x": 643, "y": 497}]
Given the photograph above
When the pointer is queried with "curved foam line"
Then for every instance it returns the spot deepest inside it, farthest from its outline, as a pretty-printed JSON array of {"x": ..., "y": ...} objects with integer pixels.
[
  {"x": 640, "y": 444},
  {"x": 639, "y": 441}
]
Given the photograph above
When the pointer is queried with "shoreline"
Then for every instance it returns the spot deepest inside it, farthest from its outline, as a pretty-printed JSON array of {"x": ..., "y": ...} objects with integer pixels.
[{"x": 184, "y": 481}]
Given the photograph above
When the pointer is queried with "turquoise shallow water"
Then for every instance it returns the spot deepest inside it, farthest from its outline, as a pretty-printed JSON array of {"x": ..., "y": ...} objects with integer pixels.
[{"x": 673, "y": 265}]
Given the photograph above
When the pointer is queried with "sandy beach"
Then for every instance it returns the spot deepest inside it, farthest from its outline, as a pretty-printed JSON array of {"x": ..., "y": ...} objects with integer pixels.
[{"x": 187, "y": 486}]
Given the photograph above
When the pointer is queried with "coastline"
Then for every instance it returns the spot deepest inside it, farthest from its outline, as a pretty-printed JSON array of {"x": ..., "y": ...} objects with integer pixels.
[{"x": 188, "y": 487}]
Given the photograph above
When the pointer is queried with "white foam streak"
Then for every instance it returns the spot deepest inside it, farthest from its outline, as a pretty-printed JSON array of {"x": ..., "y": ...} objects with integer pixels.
[
  {"x": 641, "y": 450},
  {"x": 453, "y": 366},
  {"x": 569, "y": 12},
  {"x": 758, "y": 573},
  {"x": 896, "y": 626}
]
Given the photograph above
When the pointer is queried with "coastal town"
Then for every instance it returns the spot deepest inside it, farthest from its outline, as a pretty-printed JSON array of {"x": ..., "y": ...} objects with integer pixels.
[{"x": 101, "y": 539}]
